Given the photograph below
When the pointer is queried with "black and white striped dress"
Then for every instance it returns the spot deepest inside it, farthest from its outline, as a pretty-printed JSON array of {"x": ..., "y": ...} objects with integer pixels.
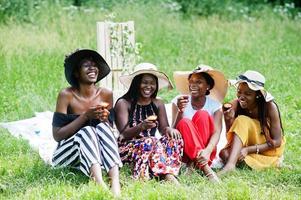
[{"x": 90, "y": 145}]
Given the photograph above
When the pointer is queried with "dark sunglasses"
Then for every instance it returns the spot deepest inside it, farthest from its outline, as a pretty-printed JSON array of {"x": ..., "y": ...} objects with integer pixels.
[{"x": 244, "y": 78}]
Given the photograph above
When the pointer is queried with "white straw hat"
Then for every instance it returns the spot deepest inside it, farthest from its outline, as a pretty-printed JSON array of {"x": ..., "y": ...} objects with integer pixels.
[
  {"x": 255, "y": 81},
  {"x": 219, "y": 90},
  {"x": 146, "y": 68}
]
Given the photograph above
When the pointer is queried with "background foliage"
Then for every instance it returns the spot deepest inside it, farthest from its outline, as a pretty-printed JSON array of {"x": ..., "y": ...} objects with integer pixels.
[
  {"x": 29, "y": 10},
  {"x": 35, "y": 36}
]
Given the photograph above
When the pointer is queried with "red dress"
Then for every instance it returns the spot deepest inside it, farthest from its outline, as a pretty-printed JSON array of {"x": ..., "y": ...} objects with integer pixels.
[{"x": 196, "y": 134}]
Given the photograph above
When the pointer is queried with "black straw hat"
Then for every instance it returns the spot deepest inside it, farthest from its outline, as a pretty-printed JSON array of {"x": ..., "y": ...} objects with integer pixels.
[{"x": 72, "y": 62}]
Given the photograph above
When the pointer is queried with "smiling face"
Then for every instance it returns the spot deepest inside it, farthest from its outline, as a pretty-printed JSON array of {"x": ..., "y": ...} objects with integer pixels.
[
  {"x": 198, "y": 85},
  {"x": 87, "y": 72},
  {"x": 148, "y": 85},
  {"x": 246, "y": 96}
]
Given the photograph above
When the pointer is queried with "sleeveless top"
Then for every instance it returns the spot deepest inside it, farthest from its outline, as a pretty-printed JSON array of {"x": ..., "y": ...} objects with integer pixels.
[
  {"x": 61, "y": 119},
  {"x": 138, "y": 113},
  {"x": 211, "y": 106}
]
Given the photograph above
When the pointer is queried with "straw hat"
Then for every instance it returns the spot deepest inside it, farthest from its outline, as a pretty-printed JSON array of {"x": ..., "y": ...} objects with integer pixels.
[
  {"x": 219, "y": 90},
  {"x": 255, "y": 81},
  {"x": 72, "y": 61},
  {"x": 146, "y": 68}
]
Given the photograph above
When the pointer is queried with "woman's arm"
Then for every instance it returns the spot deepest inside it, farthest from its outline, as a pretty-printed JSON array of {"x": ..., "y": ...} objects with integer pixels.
[
  {"x": 122, "y": 118},
  {"x": 60, "y": 133},
  {"x": 229, "y": 115},
  {"x": 178, "y": 109},
  {"x": 163, "y": 122},
  {"x": 177, "y": 115},
  {"x": 275, "y": 132},
  {"x": 275, "y": 124},
  {"x": 105, "y": 96},
  {"x": 217, "y": 117},
  {"x": 162, "y": 116}
]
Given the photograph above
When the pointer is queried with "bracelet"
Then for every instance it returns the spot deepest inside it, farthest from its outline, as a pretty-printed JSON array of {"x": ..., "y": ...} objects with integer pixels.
[{"x": 257, "y": 150}]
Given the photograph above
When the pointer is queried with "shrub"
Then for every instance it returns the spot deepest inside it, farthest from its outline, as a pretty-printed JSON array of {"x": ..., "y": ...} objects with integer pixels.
[
  {"x": 18, "y": 9},
  {"x": 237, "y": 8}
]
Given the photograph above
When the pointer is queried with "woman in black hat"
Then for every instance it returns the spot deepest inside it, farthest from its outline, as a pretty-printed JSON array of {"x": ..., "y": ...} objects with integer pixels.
[{"x": 82, "y": 120}]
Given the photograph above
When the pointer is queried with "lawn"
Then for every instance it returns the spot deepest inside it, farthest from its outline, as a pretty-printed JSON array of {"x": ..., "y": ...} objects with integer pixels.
[{"x": 31, "y": 71}]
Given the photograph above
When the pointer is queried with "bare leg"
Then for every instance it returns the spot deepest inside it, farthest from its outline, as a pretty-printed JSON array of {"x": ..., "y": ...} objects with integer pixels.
[
  {"x": 96, "y": 175},
  {"x": 234, "y": 153},
  {"x": 114, "y": 177},
  {"x": 202, "y": 164},
  {"x": 171, "y": 178}
]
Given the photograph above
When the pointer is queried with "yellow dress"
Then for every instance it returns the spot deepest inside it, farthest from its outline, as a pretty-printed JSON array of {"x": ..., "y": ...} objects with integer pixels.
[{"x": 249, "y": 132}]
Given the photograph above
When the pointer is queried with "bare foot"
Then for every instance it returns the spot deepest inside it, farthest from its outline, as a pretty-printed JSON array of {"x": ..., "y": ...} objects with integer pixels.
[
  {"x": 210, "y": 174},
  {"x": 171, "y": 178},
  {"x": 213, "y": 178}
]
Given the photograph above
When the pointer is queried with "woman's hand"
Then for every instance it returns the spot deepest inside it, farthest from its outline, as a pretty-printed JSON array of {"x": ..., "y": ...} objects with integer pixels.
[
  {"x": 92, "y": 113},
  {"x": 243, "y": 153},
  {"x": 229, "y": 114},
  {"x": 203, "y": 157},
  {"x": 104, "y": 114},
  {"x": 182, "y": 102},
  {"x": 172, "y": 133},
  {"x": 147, "y": 124},
  {"x": 97, "y": 112}
]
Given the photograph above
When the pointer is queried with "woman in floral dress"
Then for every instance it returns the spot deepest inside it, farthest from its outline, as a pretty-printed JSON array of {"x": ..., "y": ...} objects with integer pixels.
[{"x": 141, "y": 119}]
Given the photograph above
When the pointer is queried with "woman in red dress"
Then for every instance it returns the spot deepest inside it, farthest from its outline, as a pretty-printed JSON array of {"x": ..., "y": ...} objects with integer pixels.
[{"x": 198, "y": 115}]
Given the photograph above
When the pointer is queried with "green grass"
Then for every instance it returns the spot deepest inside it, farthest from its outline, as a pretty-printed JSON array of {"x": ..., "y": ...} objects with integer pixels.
[{"x": 31, "y": 71}]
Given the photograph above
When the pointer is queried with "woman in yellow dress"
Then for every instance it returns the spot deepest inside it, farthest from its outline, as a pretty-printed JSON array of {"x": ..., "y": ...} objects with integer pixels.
[{"x": 254, "y": 128}]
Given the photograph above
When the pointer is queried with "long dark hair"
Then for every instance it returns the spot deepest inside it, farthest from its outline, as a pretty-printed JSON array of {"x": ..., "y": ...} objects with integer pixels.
[
  {"x": 262, "y": 116},
  {"x": 133, "y": 93}
]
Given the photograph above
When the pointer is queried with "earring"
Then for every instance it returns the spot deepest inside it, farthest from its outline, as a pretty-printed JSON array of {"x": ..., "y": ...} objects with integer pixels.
[{"x": 257, "y": 97}]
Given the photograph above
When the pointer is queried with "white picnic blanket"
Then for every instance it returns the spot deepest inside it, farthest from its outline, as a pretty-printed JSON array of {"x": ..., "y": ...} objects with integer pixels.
[{"x": 38, "y": 131}]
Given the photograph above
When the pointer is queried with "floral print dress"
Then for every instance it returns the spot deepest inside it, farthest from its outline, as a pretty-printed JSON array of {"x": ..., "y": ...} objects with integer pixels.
[{"x": 149, "y": 155}]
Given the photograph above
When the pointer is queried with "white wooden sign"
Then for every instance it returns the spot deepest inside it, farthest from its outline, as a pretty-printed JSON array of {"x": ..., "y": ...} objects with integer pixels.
[{"x": 116, "y": 43}]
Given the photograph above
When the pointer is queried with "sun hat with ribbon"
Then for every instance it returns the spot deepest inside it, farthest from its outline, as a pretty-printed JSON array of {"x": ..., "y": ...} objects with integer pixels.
[
  {"x": 255, "y": 81},
  {"x": 219, "y": 90},
  {"x": 72, "y": 62},
  {"x": 146, "y": 68}
]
